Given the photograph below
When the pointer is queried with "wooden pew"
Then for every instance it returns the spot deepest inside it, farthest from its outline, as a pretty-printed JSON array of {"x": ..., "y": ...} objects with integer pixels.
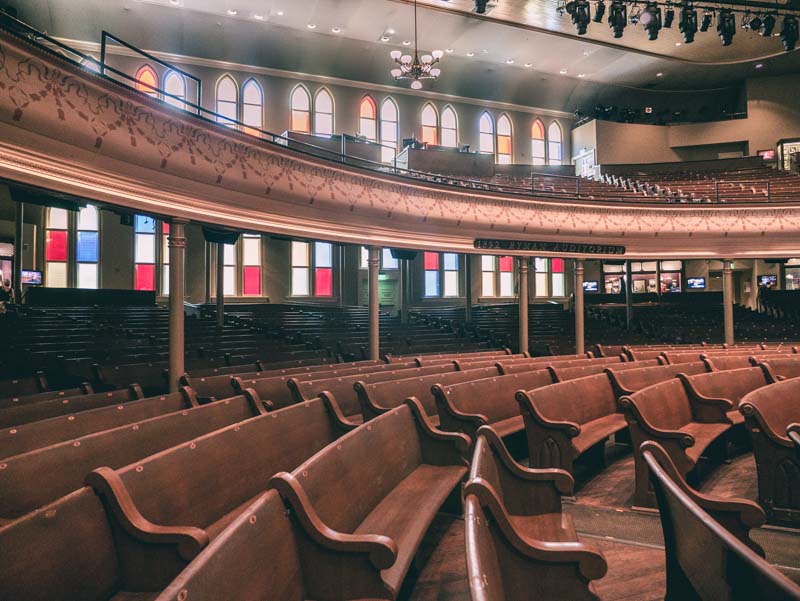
[
  {"x": 27, "y": 399},
  {"x": 406, "y": 472},
  {"x": 17, "y": 387},
  {"x": 673, "y": 357},
  {"x": 562, "y": 374},
  {"x": 379, "y": 397},
  {"x": 785, "y": 368},
  {"x": 204, "y": 484},
  {"x": 522, "y": 365},
  {"x": 152, "y": 377},
  {"x": 725, "y": 388},
  {"x": 632, "y": 380},
  {"x": 468, "y": 406},
  {"x": 519, "y": 544},
  {"x": 685, "y": 424},
  {"x": 42, "y": 433},
  {"x": 448, "y": 356},
  {"x": 14, "y": 416},
  {"x": 768, "y": 413},
  {"x": 33, "y": 479},
  {"x": 707, "y": 560}
]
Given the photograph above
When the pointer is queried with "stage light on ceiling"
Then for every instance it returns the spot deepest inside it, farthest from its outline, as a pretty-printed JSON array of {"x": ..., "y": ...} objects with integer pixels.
[
  {"x": 769, "y": 26},
  {"x": 707, "y": 18},
  {"x": 480, "y": 6},
  {"x": 579, "y": 10},
  {"x": 789, "y": 32},
  {"x": 669, "y": 17},
  {"x": 688, "y": 23},
  {"x": 617, "y": 18},
  {"x": 726, "y": 26},
  {"x": 599, "y": 12},
  {"x": 651, "y": 20},
  {"x": 754, "y": 24}
]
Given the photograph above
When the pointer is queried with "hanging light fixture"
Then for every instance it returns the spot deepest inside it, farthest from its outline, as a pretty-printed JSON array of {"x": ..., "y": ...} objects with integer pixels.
[{"x": 416, "y": 68}]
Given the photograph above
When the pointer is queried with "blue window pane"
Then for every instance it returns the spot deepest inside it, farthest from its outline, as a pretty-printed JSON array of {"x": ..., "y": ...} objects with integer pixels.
[
  {"x": 431, "y": 283},
  {"x": 145, "y": 225},
  {"x": 87, "y": 247},
  {"x": 450, "y": 261},
  {"x": 324, "y": 254}
]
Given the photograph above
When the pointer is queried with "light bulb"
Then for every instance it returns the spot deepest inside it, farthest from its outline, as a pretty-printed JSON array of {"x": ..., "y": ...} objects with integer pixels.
[
  {"x": 438, "y": 53},
  {"x": 416, "y": 85},
  {"x": 406, "y": 58},
  {"x": 395, "y": 54},
  {"x": 436, "y": 72},
  {"x": 426, "y": 58},
  {"x": 396, "y": 72}
]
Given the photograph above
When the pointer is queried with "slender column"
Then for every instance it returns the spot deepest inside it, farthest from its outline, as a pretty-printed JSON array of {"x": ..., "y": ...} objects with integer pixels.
[
  {"x": 468, "y": 291},
  {"x": 207, "y": 250},
  {"x": 727, "y": 300},
  {"x": 522, "y": 270},
  {"x": 658, "y": 279},
  {"x": 579, "y": 314},
  {"x": 220, "y": 285},
  {"x": 628, "y": 295},
  {"x": 374, "y": 264},
  {"x": 404, "y": 268},
  {"x": 18, "y": 243},
  {"x": 177, "y": 285}
]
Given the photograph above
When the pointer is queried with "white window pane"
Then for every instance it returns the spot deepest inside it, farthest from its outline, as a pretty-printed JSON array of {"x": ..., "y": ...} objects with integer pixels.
[
  {"x": 230, "y": 254},
  {"x": 252, "y": 93},
  {"x": 165, "y": 280},
  {"x": 504, "y": 126},
  {"x": 487, "y": 143},
  {"x": 539, "y": 161},
  {"x": 251, "y": 115},
  {"x": 487, "y": 284},
  {"x": 449, "y": 138},
  {"x": 323, "y": 254},
  {"x": 450, "y": 261},
  {"x": 87, "y": 219},
  {"x": 388, "y": 132},
  {"x": 389, "y": 262},
  {"x": 323, "y": 124},
  {"x": 431, "y": 283},
  {"x": 649, "y": 266},
  {"x": 87, "y": 275},
  {"x": 165, "y": 249},
  {"x": 364, "y": 257},
  {"x": 541, "y": 284},
  {"x": 324, "y": 102},
  {"x": 300, "y": 281},
  {"x": 540, "y": 264},
  {"x": 367, "y": 128},
  {"x": 388, "y": 111},
  {"x": 300, "y": 254},
  {"x": 226, "y": 89},
  {"x": 451, "y": 283},
  {"x": 56, "y": 275},
  {"x": 486, "y": 124},
  {"x": 229, "y": 280},
  {"x": 558, "y": 284},
  {"x": 57, "y": 219},
  {"x": 300, "y": 100},
  {"x": 504, "y": 159},
  {"x": 487, "y": 262},
  {"x": 252, "y": 250},
  {"x": 538, "y": 148},
  {"x": 555, "y": 152},
  {"x": 554, "y": 132},
  {"x": 506, "y": 283},
  {"x": 671, "y": 265},
  {"x": 429, "y": 116},
  {"x": 145, "y": 248}
]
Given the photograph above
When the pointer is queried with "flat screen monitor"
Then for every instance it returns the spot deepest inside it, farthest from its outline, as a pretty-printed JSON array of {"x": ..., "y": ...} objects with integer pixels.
[
  {"x": 768, "y": 280},
  {"x": 31, "y": 277},
  {"x": 591, "y": 286},
  {"x": 696, "y": 283}
]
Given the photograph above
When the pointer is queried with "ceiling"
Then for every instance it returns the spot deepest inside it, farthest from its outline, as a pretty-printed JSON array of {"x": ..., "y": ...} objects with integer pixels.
[{"x": 535, "y": 61}]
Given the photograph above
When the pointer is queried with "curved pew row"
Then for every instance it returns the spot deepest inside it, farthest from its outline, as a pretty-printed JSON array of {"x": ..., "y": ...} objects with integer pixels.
[
  {"x": 519, "y": 543},
  {"x": 710, "y": 556},
  {"x": 769, "y": 412},
  {"x": 674, "y": 357},
  {"x": 783, "y": 368},
  {"x": 15, "y": 401},
  {"x": 684, "y": 421},
  {"x": 430, "y": 356},
  {"x": 154, "y": 516},
  {"x": 33, "y": 479}
]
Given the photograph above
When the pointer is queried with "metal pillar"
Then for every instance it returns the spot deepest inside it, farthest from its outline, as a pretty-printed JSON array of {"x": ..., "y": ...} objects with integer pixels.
[
  {"x": 18, "y": 244},
  {"x": 177, "y": 285},
  {"x": 579, "y": 313},
  {"x": 727, "y": 300},
  {"x": 522, "y": 270},
  {"x": 404, "y": 290},
  {"x": 220, "y": 285},
  {"x": 628, "y": 295},
  {"x": 468, "y": 291},
  {"x": 207, "y": 251},
  {"x": 374, "y": 264}
]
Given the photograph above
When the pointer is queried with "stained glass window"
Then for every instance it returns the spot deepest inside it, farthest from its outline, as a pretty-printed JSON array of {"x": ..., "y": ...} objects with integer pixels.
[
  {"x": 252, "y": 107},
  {"x": 538, "y": 143},
  {"x": 56, "y": 250},
  {"x": 504, "y": 147},
  {"x": 554, "y": 147},
  {"x": 368, "y": 119},
  {"x": 88, "y": 251},
  {"x": 147, "y": 81},
  {"x": 144, "y": 253}
]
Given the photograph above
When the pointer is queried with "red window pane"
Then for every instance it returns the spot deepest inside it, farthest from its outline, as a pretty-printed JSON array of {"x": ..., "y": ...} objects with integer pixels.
[
  {"x": 145, "y": 278},
  {"x": 506, "y": 263},
  {"x": 557, "y": 265},
  {"x": 431, "y": 261},
  {"x": 252, "y": 280},
  {"x": 323, "y": 278},
  {"x": 165, "y": 228},
  {"x": 56, "y": 245}
]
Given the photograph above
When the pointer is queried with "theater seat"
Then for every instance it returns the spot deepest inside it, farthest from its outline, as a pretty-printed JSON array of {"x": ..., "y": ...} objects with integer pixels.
[{"x": 597, "y": 430}]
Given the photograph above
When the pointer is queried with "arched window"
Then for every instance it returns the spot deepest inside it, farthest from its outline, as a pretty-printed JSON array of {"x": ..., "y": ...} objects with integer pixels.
[
  {"x": 88, "y": 249},
  {"x": 486, "y": 138},
  {"x": 537, "y": 143},
  {"x": 389, "y": 118},
  {"x": 301, "y": 110},
  {"x": 227, "y": 101},
  {"x": 504, "y": 146},
  {"x": 430, "y": 125},
  {"x": 175, "y": 85},
  {"x": 56, "y": 248},
  {"x": 323, "y": 113},
  {"x": 449, "y": 127},
  {"x": 554, "y": 148},
  {"x": 368, "y": 119},
  {"x": 252, "y": 107},
  {"x": 147, "y": 81}
]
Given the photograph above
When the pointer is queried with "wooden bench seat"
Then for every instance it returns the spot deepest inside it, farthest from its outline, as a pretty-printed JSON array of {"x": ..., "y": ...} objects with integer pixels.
[
  {"x": 726, "y": 387},
  {"x": 674, "y": 358},
  {"x": 27, "y": 399},
  {"x": 33, "y": 479},
  {"x": 710, "y": 556},
  {"x": 153, "y": 378},
  {"x": 768, "y": 413},
  {"x": 24, "y": 414},
  {"x": 379, "y": 397},
  {"x": 562, "y": 374},
  {"x": 406, "y": 472},
  {"x": 628, "y": 381},
  {"x": 17, "y": 387},
  {"x": 519, "y": 543},
  {"x": 202, "y": 485},
  {"x": 785, "y": 368},
  {"x": 512, "y": 367},
  {"x": 448, "y": 356}
]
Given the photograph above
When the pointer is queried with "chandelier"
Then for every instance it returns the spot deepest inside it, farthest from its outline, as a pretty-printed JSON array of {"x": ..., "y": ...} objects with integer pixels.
[{"x": 418, "y": 67}]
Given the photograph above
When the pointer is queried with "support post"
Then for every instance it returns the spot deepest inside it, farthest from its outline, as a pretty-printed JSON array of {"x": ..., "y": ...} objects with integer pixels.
[
  {"x": 727, "y": 300},
  {"x": 374, "y": 264},
  {"x": 177, "y": 285},
  {"x": 468, "y": 286},
  {"x": 18, "y": 244},
  {"x": 207, "y": 250},
  {"x": 220, "y": 285},
  {"x": 404, "y": 300},
  {"x": 522, "y": 295},
  {"x": 579, "y": 313},
  {"x": 628, "y": 295}
]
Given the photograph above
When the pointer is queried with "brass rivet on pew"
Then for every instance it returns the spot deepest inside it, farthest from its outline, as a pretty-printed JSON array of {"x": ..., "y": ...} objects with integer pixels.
[
  {"x": 71, "y": 418},
  {"x": 184, "y": 413},
  {"x": 369, "y": 428},
  {"x": 236, "y": 429},
  {"x": 338, "y": 447},
  {"x": 193, "y": 446},
  {"x": 135, "y": 427},
  {"x": 227, "y": 402},
  {"x": 140, "y": 468},
  {"x": 3, "y": 466},
  {"x": 119, "y": 407},
  {"x": 252, "y": 519},
  {"x": 77, "y": 443},
  {"x": 12, "y": 431},
  {"x": 183, "y": 595},
  {"x": 305, "y": 473}
]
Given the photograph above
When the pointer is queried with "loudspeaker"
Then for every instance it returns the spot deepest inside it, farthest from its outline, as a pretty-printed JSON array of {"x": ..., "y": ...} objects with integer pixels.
[
  {"x": 126, "y": 219},
  {"x": 220, "y": 236},
  {"x": 402, "y": 254}
]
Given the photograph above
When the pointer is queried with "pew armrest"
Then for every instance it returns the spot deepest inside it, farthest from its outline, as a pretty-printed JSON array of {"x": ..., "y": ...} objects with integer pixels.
[
  {"x": 793, "y": 432},
  {"x": 754, "y": 419},
  {"x": 107, "y": 483},
  {"x": 340, "y": 422},
  {"x": 448, "y": 412},
  {"x": 704, "y": 408},
  {"x": 438, "y": 447},
  {"x": 259, "y": 406},
  {"x": 632, "y": 413},
  {"x": 380, "y": 550},
  {"x": 569, "y": 429}
]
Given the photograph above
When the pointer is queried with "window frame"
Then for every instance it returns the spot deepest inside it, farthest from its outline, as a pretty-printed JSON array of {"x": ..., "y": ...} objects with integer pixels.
[
  {"x": 317, "y": 113},
  {"x": 432, "y": 129},
  {"x": 448, "y": 109},
  {"x": 300, "y": 88},
  {"x": 144, "y": 87},
  {"x": 497, "y": 276},
  {"x": 252, "y": 128},
  {"x": 504, "y": 118},
  {"x": 551, "y": 144},
  {"x": 311, "y": 268},
  {"x": 369, "y": 101},
  {"x": 385, "y": 150},
  {"x": 220, "y": 117},
  {"x": 536, "y": 159},
  {"x": 487, "y": 135}
]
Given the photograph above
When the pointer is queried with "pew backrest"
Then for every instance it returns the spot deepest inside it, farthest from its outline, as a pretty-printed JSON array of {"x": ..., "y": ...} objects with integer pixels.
[
  {"x": 772, "y": 409},
  {"x": 730, "y": 385},
  {"x": 628, "y": 381},
  {"x": 562, "y": 374},
  {"x": 783, "y": 367}
]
